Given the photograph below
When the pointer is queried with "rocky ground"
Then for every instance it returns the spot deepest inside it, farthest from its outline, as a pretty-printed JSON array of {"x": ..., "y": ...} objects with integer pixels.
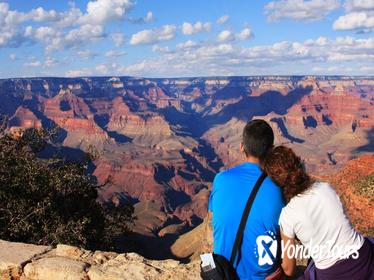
[{"x": 19, "y": 261}]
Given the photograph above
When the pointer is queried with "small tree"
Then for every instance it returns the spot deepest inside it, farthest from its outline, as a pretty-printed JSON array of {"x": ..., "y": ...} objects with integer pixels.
[{"x": 50, "y": 201}]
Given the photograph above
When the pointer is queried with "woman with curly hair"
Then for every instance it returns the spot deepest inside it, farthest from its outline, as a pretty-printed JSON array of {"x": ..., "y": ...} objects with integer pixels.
[{"x": 315, "y": 216}]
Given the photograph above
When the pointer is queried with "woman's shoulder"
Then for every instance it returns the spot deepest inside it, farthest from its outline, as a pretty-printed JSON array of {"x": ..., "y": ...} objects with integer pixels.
[
  {"x": 323, "y": 187},
  {"x": 313, "y": 197},
  {"x": 316, "y": 188}
]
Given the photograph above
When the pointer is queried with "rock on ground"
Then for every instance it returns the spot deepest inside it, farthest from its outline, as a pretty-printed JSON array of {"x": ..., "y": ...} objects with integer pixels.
[
  {"x": 14, "y": 255},
  {"x": 31, "y": 262}
]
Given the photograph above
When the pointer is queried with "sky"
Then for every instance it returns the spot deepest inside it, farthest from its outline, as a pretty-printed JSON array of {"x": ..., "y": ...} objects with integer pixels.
[{"x": 186, "y": 38}]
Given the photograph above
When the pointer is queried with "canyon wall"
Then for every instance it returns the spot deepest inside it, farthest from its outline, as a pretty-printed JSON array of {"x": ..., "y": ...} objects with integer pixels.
[{"x": 160, "y": 142}]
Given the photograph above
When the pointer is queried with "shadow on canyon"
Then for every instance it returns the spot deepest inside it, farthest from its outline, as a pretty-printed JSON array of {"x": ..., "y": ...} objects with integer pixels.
[
  {"x": 284, "y": 130},
  {"x": 369, "y": 147},
  {"x": 150, "y": 247},
  {"x": 196, "y": 124},
  {"x": 102, "y": 121}
]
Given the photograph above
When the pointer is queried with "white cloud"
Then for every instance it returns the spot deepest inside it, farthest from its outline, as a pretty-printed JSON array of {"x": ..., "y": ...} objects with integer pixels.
[
  {"x": 300, "y": 9},
  {"x": 118, "y": 39},
  {"x": 359, "y": 5},
  {"x": 99, "y": 69},
  {"x": 320, "y": 55},
  {"x": 137, "y": 67},
  {"x": 187, "y": 45},
  {"x": 114, "y": 53},
  {"x": 70, "y": 17},
  {"x": 102, "y": 69},
  {"x": 41, "y": 33},
  {"x": 343, "y": 55},
  {"x": 9, "y": 20},
  {"x": 39, "y": 14},
  {"x": 159, "y": 49},
  {"x": 223, "y": 19},
  {"x": 47, "y": 63},
  {"x": 321, "y": 41},
  {"x": 50, "y": 62},
  {"x": 100, "y": 12},
  {"x": 34, "y": 63},
  {"x": 87, "y": 54},
  {"x": 147, "y": 18},
  {"x": 66, "y": 29},
  {"x": 245, "y": 34},
  {"x": 11, "y": 32},
  {"x": 150, "y": 36},
  {"x": 13, "y": 56},
  {"x": 189, "y": 28},
  {"x": 225, "y": 35},
  {"x": 355, "y": 21},
  {"x": 359, "y": 16},
  {"x": 78, "y": 73},
  {"x": 74, "y": 38},
  {"x": 367, "y": 69}
]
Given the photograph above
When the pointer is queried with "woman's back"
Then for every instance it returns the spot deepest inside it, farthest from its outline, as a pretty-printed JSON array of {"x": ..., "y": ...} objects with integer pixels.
[{"x": 316, "y": 217}]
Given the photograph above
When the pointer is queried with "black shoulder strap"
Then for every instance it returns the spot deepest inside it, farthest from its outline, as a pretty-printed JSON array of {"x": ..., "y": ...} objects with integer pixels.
[{"x": 240, "y": 233}]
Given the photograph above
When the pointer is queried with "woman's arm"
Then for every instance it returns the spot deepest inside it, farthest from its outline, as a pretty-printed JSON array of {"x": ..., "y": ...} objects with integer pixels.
[{"x": 288, "y": 264}]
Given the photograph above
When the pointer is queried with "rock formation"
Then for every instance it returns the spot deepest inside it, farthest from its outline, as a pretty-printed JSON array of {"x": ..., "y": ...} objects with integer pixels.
[{"x": 161, "y": 141}]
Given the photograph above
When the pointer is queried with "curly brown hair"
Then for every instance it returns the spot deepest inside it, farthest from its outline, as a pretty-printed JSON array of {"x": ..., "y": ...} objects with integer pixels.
[{"x": 287, "y": 170}]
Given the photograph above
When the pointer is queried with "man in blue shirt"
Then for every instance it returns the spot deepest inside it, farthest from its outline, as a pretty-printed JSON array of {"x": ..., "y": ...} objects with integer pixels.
[{"x": 260, "y": 251}]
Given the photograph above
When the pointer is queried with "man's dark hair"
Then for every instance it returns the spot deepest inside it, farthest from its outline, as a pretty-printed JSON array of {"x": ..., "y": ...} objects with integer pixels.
[{"x": 258, "y": 138}]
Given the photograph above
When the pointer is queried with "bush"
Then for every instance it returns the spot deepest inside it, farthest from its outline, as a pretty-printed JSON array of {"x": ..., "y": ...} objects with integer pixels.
[
  {"x": 365, "y": 186},
  {"x": 51, "y": 201}
]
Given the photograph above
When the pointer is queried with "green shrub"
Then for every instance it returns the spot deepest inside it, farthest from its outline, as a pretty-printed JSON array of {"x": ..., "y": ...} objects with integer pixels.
[{"x": 50, "y": 201}]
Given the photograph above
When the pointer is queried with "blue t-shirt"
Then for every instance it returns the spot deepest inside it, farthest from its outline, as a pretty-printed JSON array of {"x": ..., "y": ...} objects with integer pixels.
[{"x": 260, "y": 251}]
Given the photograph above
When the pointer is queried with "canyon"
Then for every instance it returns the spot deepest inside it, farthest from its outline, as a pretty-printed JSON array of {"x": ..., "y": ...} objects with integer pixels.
[{"x": 160, "y": 142}]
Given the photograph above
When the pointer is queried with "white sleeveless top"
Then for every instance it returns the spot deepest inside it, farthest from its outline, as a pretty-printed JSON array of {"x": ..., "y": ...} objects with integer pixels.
[{"x": 317, "y": 219}]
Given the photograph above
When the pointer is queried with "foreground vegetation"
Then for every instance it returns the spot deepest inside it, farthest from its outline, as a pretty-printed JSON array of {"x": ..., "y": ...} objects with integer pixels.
[
  {"x": 365, "y": 186},
  {"x": 51, "y": 201}
]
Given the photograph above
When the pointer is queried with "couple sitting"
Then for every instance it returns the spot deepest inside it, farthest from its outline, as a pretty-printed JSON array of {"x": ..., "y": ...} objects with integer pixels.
[{"x": 289, "y": 206}]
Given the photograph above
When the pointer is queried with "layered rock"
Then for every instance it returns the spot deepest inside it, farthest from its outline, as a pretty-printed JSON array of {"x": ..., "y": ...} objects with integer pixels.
[
  {"x": 24, "y": 118},
  {"x": 125, "y": 122},
  {"x": 73, "y": 115},
  {"x": 161, "y": 141}
]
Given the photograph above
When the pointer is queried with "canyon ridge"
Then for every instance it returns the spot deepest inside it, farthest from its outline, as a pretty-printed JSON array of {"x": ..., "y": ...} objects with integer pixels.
[{"x": 160, "y": 142}]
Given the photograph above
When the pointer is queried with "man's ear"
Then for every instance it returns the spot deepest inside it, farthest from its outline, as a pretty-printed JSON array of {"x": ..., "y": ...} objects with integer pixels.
[{"x": 241, "y": 147}]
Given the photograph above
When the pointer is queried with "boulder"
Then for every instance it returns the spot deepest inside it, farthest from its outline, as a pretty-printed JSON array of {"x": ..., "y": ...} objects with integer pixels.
[
  {"x": 56, "y": 268},
  {"x": 13, "y": 256}
]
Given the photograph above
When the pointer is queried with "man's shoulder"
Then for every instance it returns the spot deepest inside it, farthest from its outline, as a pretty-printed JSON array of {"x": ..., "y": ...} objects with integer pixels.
[
  {"x": 228, "y": 173},
  {"x": 271, "y": 191},
  {"x": 271, "y": 185}
]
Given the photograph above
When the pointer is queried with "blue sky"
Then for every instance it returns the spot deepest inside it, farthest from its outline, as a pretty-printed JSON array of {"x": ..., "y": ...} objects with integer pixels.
[{"x": 169, "y": 38}]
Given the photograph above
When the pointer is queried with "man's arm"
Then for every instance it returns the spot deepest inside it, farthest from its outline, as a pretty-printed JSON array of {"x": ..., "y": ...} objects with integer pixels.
[{"x": 208, "y": 240}]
